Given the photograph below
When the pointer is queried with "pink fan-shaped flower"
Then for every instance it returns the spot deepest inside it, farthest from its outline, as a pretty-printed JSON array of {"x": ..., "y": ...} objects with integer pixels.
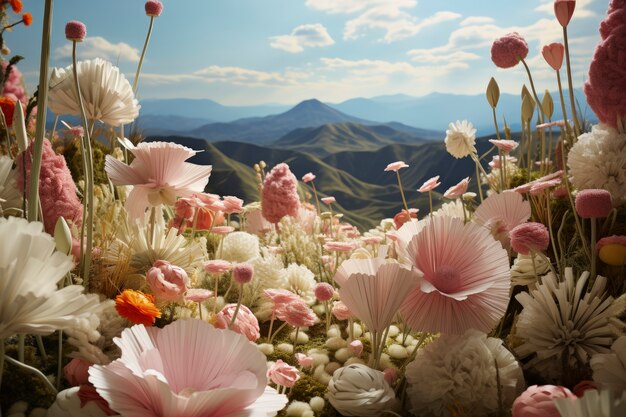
[
  {"x": 158, "y": 175},
  {"x": 466, "y": 278},
  {"x": 186, "y": 369},
  {"x": 430, "y": 185},
  {"x": 280, "y": 194},
  {"x": 374, "y": 296},
  {"x": 502, "y": 212}
]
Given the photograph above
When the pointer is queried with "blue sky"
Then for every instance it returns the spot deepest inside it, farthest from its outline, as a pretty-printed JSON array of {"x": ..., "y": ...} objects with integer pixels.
[{"x": 241, "y": 52}]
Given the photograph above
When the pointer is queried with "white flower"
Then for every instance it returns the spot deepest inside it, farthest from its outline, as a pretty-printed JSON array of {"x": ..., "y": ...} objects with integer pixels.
[
  {"x": 609, "y": 369},
  {"x": 461, "y": 139},
  {"x": 300, "y": 280},
  {"x": 523, "y": 272},
  {"x": 68, "y": 404},
  {"x": 357, "y": 390},
  {"x": 451, "y": 209},
  {"x": 459, "y": 372},
  {"x": 29, "y": 271},
  {"x": 106, "y": 92},
  {"x": 10, "y": 197},
  {"x": 239, "y": 247},
  {"x": 593, "y": 403},
  {"x": 269, "y": 272},
  {"x": 560, "y": 318},
  {"x": 597, "y": 161}
]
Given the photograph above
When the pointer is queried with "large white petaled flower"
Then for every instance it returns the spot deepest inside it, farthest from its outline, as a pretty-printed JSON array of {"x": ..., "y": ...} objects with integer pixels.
[
  {"x": 269, "y": 272},
  {"x": 29, "y": 271},
  {"x": 239, "y": 247},
  {"x": 523, "y": 270},
  {"x": 357, "y": 390},
  {"x": 10, "y": 197},
  {"x": 593, "y": 403},
  {"x": 560, "y": 318},
  {"x": 106, "y": 92},
  {"x": 186, "y": 369},
  {"x": 452, "y": 209},
  {"x": 598, "y": 160},
  {"x": 458, "y": 372},
  {"x": 609, "y": 369},
  {"x": 300, "y": 280},
  {"x": 461, "y": 139}
]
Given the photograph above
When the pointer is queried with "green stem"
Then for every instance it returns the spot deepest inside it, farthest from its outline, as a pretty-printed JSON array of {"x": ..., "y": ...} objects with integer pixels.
[
  {"x": 232, "y": 321},
  {"x": 317, "y": 201},
  {"x": 406, "y": 207},
  {"x": 532, "y": 87},
  {"x": 282, "y": 326},
  {"x": 567, "y": 126},
  {"x": 143, "y": 54},
  {"x": 430, "y": 202},
  {"x": 495, "y": 122},
  {"x": 570, "y": 84},
  {"x": 552, "y": 240},
  {"x": 592, "y": 247},
  {"x": 480, "y": 189},
  {"x": 42, "y": 106}
]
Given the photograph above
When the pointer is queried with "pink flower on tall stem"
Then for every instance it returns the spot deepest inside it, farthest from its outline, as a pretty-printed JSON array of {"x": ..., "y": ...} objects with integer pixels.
[
  {"x": 158, "y": 175},
  {"x": 283, "y": 374},
  {"x": 530, "y": 237},
  {"x": 328, "y": 200},
  {"x": 280, "y": 194},
  {"x": 232, "y": 205},
  {"x": 504, "y": 145},
  {"x": 245, "y": 324},
  {"x": 297, "y": 314},
  {"x": 553, "y": 54},
  {"x": 564, "y": 10},
  {"x": 458, "y": 190},
  {"x": 509, "y": 50},
  {"x": 308, "y": 177},
  {"x": 395, "y": 166},
  {"x": 430, "y": 185}
]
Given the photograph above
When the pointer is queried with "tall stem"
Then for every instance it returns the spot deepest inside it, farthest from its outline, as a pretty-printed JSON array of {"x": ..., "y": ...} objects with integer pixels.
[
  {"x": 532, "y": 87},
  {"x": 232, "y": 321},
  {"x": 570, "y": 84},
  {"x": 480, "y": 189},
  {"x": 592, "y": 248},
  {"x": 42, "y": 106},
  {"x": 317, "y": 201},
  {"x": 143, "y": 54},
  {"x": 430, "y": 202},
  {"x": 495, "y": 123},
  {"x": 567, "y": 126},
  {"x": 406, "y": 207}
]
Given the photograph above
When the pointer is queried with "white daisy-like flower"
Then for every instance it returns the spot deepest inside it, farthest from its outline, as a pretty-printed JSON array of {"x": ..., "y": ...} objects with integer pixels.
[
  {"x": 10, "y": 197},
  {"x": 107, "y": 94},
  {"x": 560, "y": 318},
  {"x": 523, "y": 272},
  {"x": 461, "y": 139},
  {"x": 593, "y": 403},
  {"x": 300, "y": 280},
  {"x": 598, "y": 160},
  {"x": 451, "y": 209},
  {"x": 30, "y": 268},
  {"x": 609, "y": 369},
  {"x": 239, "y": 247},
  {"x": 458, "y": 372}
]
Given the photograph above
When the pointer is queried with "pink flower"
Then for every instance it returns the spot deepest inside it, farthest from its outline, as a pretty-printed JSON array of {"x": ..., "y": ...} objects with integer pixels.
[
  {"x": 245, "y": 324},
  {"x": 404, "y": 216},
  {"x": 391, "y": 375},
  {"x": 75, "y": 31},
  {"x": 614, "y": 19},
  {"x": 153, "y": 8},
  {"x": 282, "y": 373},
  {"x": 536, "y": 401},
  {"x": 611, "y": 240},
  {"x": 395, "y": 166},
  {"x": 556, "y": 123},
  {"x": 158, "y": 175},
  {"x": 75, "y": 132},
  {"x": 543, "y": 186},
  {"x": 242, "y": 273},
  {"x": 14, "y": 85},
  {"x": 297, "y": 314},
  {"x": 504, "y": 145},
  {"x": 529, "y": 237},
  {"x": 308, "y": 177},
  {"x": 167, "y": 282},
  {"x": 563, "y": 10},
  {"x": 186, "y": 369},
  {"x": 509, "y": 50},
  {"x": 57, "y": 191},
  {"x": 341, "y": 311},
  {"x": 217, "y": 266},
  {"x": 77, "y": 372},
  {"x": 280, "y": 296},
  {"x": 584, "y": 386},
  {"x": 355, "y": 348},
  {"x": 339, "y": 246},
  {"x": 222, "y": 230},
  {"x": 304, "y": 360},
  {"x": 593, "y": 203},
  {"x": 430, "y": 185},
  {"x": 324, "y": 291},
  {"x": 372, "y": 240},
  {"x": 458, "y": 190},
  {"x": 328, "y": 200},
  {"x": 523, "y": 189},
  {"x": 198, "y": 295},
  {"x": 232, "y": 205},
  {"x": 87, "y": 394},
  {"x": 280, "y": 194},
  {"x": 553, "y": 54},
  {"x": 495, "y": 161},
  {"x": 502, "y": 212},
  {"x": 256, "y": 223}
]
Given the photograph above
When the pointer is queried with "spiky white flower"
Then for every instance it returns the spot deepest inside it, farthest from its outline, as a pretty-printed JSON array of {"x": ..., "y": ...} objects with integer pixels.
[
  {"x": 594, "y": 403},
  {"x": 609, "y": 369},
  {"x": 461, "y": 139},
  {"x": 300, "y": 280},
  {"x": 239, "y": 247}
]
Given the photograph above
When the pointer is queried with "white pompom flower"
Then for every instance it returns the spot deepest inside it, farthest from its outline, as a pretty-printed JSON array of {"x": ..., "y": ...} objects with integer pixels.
[{"x": 461, "y": 139}]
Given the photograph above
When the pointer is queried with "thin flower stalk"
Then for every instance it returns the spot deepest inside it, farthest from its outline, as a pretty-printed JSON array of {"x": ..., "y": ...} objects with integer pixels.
[
  {"x": 570, "y": 84},
  {"x": 232, "y": 321},
  {"x": 317, "y": 200},
  {"x": 430, "y": 202},
  {"x": 143, "y": 54},
  {"x": 594, "y": 252},
  {"x": 567, "y": 126},
  {"x": 406, "y": 207}
]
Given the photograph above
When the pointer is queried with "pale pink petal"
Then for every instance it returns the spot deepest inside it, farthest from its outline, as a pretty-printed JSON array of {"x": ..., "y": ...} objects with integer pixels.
[
  {"x": 193, "y": 178},
  {"x": 137, "y": 201},
  {"x": 122, "y": 174},
  {"x": 357, "y": 266},
  {"x": 502, "y": 212}
]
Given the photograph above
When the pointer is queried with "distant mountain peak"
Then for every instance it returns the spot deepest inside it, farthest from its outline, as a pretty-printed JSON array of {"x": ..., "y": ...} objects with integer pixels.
[{"x": 312, "y": 103}]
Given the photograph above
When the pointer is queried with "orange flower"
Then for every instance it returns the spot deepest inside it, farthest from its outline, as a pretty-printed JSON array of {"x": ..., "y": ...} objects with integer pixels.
[
  {"x": 8, "y": 108},
  {"x": 16, "y": 5},
  {"x": 137, "y": 307},
  {"x": 27, "y": 18}
]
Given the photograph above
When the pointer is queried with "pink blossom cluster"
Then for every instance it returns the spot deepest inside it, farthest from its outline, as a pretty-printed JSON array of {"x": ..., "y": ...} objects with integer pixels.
[
  {"x": 280, "y": 194},
  {"x": 14, "y": 85},
  {"x": 203, "y": 210}
]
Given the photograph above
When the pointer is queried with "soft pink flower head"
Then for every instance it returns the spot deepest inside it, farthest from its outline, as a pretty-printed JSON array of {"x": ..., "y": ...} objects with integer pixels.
[
  {"x": 504, "y": 145},
  {"x": 242, "y": 273},
  {"x": 14, "y": 85},
  {"x": 282, "y": 373},
  {"x": 77, "y": 372},
  {"x": 75, "y": 31},
  {"x": 280, "y": 296},
  {"x": 564, "y": 10},
  {"x": 341, "y": 311},
  {"x": 167, "y": 282},
  {"x": 158, "y": 175},
  {"x": 544, "y": 186},
  {"x": 458, "y": 190},
  {"x": 594, "y": 203},
  {"x": 75, "y": 132},
  {"x": 304, "y": 360},
  {"x": 525, "y": 188},
  {"x": 297, "y": 314},
  {"x": 339, "y": 246},
  {"x": 553, "y": 54},
  {"x": 308, "y": 177},
  {"x": 222, "y": 230},
  {"x": 328, "y": 200},
  {"x": 280, "y": 194},
  {"x": 611, "y": 240},
  {"x": 232, "y": 205},
  {"x": 584, "y": 386},
  {"x": 529, "y": 237},
  {"x": 153, "y": 8},
  {"x": 495, "y": 161},
  {"x": 536, "y": 401},
  {"x": 404, "y": 216},
  {"x": 355, "y": 347},
  {"x": 430, "y": 185},
  {"x": 560, "y": 192},
  {"x": 88, "y": 394},
  {"x": 614, "y": 19},
  {"x": 217, "y": 266},
  {"x": 324, "y": 291},
  {"x": 57, "y": 191},
  {"x": 395, "y": 166},
  {"x": 245, "y": 324},
  {"x": 372, "y": 240},
  {"x": 391, "y": 375},
  {"x": 502, "y": 212},
  {"x": 509, "y": 50},
  {"x": 198, "y": 295}
]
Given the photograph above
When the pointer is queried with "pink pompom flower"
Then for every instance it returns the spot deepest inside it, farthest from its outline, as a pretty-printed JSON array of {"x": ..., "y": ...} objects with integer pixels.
[
  {"x": 324, "y": 291},
  {"x": 153, "y": 8},
  {"x": 594, "y": 203},
  {"x": 553, "y": 54},
  {"x": 280, "y": 194},
  {"x": 217, "y": 266},
  {"x": 536, "y": 401},
  {"x": 341, "y": 311},
  {"x": 167, "y": 282},
  {"x": 458, "y": 190},
  {"x": 308, "y": 177},
  {"x": 509, "y": 50},
  {"x": 242, "y": 273},
  {"x": 245, "y": 324},
  {"x": 430, "y": 185},
  {"x": 283, "y": 374},
  {"x": 529, "y": 237},
  {"x": 395, "y": 166},
  {"x": 75, "y": 31},
  {"x": 564, "y": 10}
]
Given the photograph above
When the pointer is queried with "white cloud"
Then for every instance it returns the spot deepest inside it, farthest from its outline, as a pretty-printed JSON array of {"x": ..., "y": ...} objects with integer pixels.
[
  {"x": 438, "y": 56},
  {"x": 474, "y": 20},
  {"x": 99, "y": 47},
  {"x": 353, "y": 6},
  {"x": 581, "y": 10},
  {"x": 310, "y": 35}
]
